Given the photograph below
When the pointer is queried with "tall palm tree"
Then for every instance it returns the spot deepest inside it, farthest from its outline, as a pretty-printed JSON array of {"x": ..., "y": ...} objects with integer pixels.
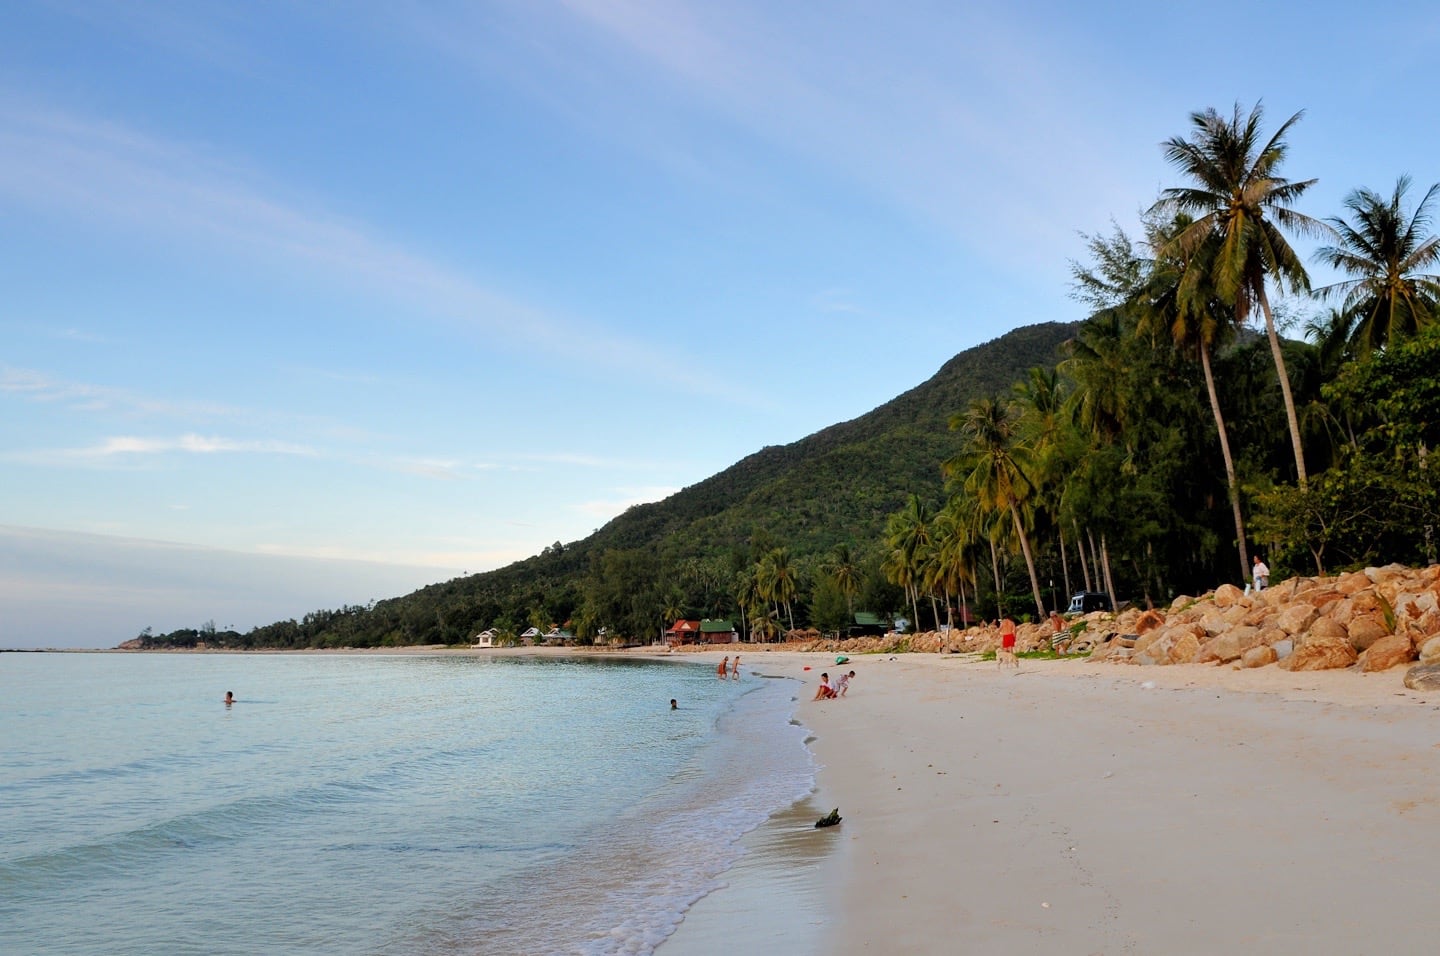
[
  {"x": 991, "y": 467},
  {"x": 1239, "y": 203},
  {"x": 775, "y": 580},
  {"x": 908, "y": 536},
  {"x": 1389, "y": 295},
  {"x": 1195, "y": 322}
]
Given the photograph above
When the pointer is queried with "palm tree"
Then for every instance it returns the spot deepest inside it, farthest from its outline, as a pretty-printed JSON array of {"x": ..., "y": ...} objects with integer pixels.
[
  {"x": 775, "y": 580},
  {"x": 1195, "y": 322},
  {"x": 1239, "y": 203},
  {"x": 1390, "y": 295},
  {"x": 908, "y": 536},
  {"x": 992, "y": 469},
  {"x": 846, "y": 575}
]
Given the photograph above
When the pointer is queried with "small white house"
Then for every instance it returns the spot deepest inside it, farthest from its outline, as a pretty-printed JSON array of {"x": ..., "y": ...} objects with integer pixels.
[
  {"x": 485, "y": 638},
  {"x": 531, "y": 635}
]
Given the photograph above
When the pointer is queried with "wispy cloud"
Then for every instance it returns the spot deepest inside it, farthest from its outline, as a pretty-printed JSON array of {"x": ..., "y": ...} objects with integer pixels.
[
  {"x": 956, "y": 117},
  {"x": 125, "y": 445},
  {"x": 96, "y": 169},
  {"x": 36, "y": 386},
  {"x": 625, "y": 498}
]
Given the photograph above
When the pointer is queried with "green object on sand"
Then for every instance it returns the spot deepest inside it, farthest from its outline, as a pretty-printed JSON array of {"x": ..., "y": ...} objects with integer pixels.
[
  {"x": 829, "y": 821},
  {"x": 841, "y": 659}
]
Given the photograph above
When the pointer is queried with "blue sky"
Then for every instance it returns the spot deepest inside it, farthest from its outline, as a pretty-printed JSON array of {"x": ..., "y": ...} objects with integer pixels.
[{"x": 311, "y": 304}]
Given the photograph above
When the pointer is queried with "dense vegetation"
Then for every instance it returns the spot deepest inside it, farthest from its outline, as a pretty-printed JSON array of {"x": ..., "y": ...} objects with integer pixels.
[{"x": 1153, "y": 449}]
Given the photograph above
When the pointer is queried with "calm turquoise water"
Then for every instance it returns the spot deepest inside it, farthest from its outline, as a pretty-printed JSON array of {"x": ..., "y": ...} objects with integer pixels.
[{"x": 367, "y": 804}]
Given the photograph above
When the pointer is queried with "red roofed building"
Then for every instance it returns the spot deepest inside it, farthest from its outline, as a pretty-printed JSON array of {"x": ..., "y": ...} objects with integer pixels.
[{"x": 683, "y": 632}]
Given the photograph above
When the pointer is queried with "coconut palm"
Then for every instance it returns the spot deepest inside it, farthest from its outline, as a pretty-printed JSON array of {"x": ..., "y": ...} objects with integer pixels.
[
  {"x": 846, "y": 574},
  {"x": 1196, "y": 322},
  {"x": 908, "y": 536},
  {"x": 992, "y": 468},
  {"x": 1386, "y": 253},
  {"x": 775, "y": 580},
  {"x": 1235, "y": 247}
]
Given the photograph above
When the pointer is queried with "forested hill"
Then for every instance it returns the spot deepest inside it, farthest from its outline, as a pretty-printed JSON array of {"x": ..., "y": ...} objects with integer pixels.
[{"x": 835, "y": 486}]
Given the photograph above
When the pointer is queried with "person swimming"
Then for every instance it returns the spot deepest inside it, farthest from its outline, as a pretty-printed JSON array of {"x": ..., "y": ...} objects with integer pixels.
[
  {"x": 673, "y": 705},
  {"x": 229, "y": 697}
]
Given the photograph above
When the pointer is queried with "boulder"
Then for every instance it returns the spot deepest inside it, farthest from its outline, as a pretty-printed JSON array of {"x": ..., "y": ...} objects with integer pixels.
[
  {"x": 1365, "y": 601},
  {"x": 1325, "y": 628},
  {"x": 1149, "y": 621},
  {"x": 1273, "y": 636},
  {"x": 1366, "y": 629},
  {"x": 1283, "y": 648},
  {"x": 1259, "y": 656},
  {"x": 1234, "y": 615},
  {"x": 1341, "y": 611},
  {"x": 1227, "y": 595},
  {"x": 1423, "y": 677},
  {"x": 1184, "y": 648},
  {"x": 1430, "y": 650},
  {"x": 1390, "y": 651},
  {"x": 1296, "y": 619},
  {"x": 1388, "y": 573},
  {"x": 1214, "y": 622},
  {"x": 1259, "y": 616},
  {"x": 1320, "y": 654},
  {"x": 1229, "y": 646},
  {"x": 1180, "y": 603},
  {"x": 1352, "y": 582}
]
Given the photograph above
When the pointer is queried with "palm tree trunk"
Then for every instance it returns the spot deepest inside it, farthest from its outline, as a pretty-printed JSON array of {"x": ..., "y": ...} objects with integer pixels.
[
  {"x": 1029, "y": 560},
  {"x": 995, "y": 569},
  {"x": 1109, "y": 581},
  {"x": 1095, "y": 560},
  {"x": 1234, "y": 486},
  {"x": 1064, "y": 564},
  {"x": 1290, "y": 415},
  {"x": 1084, "y": 567}
]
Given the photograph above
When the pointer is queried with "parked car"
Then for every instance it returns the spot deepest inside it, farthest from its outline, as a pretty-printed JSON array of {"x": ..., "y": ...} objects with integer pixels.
[{"x": 1084, "y": 602}]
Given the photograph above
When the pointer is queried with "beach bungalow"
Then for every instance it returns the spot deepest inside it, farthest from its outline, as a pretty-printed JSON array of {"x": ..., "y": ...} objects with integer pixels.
[
  {"x": 558, "y": 635},
  {"x": 866, "y": 625},
  {"x": 486, "y": 638},
  {"x": 683, "y": 632},
  {"x": 718, "y": 632},
  {"x": 530, "y": 635}
]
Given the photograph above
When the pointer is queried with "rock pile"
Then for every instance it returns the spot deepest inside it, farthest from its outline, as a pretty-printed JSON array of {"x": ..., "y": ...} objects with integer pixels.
[{"x": 1374, "y": 619}]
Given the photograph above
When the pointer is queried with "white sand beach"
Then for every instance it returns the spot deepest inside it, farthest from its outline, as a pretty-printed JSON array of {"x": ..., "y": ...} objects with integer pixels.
[{"x": 1077, "y": 807}]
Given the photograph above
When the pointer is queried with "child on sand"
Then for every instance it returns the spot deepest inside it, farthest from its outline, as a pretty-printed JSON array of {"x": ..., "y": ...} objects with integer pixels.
[
  {"x": 824, "y": 691},
  {"x": 842, "y": 683}
]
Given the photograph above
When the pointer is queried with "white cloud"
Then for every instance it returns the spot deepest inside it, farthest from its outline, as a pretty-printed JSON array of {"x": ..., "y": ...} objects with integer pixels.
[{"x": 627, "y": 498}]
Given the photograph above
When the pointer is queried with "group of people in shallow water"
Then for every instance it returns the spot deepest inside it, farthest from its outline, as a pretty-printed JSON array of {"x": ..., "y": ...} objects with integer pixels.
[
  {"x": 826, "y": 691},
  {"x": 728, "y": 667}
]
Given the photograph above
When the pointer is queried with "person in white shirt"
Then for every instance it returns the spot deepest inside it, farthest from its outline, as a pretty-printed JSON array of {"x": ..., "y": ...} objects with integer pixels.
[{"x": 1261, "y": 574}]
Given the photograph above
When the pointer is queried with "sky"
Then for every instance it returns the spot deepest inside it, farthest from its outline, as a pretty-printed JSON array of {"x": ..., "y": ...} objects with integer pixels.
[{"x": 311, "y": 304}]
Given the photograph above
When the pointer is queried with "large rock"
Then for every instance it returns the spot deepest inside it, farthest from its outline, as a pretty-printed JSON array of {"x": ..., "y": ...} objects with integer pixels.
[
  {"x": 1227, "y": 595},
  {"x": 1181, "y": 603},
  {"x": 1352, "y": 582},
  {"x": 1259, "y": 656},
  {"x": 1319, "y": 654},
  {"x": 1390, "y": 651},
  {"x": 1229, "y": 646},
  {"x": 1388, "y": 573},
  {"x": 1325, "y": 628},
  {"x": 1214, "y": 622},
  {"x": 1184, "y": 647},
  {"x": 1296, "y": 619},
  {"x": 1260, "y": 616},
  {"x": 1365, "y": 629},
  {"x": 1430, "y": 650},
  {"x": 1149, "y": 621},
  {"x": 1423, "y": 677}
]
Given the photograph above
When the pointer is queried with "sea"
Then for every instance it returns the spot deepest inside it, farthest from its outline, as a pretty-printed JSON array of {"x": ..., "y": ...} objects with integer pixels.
[{"x": 373, "y": 804}]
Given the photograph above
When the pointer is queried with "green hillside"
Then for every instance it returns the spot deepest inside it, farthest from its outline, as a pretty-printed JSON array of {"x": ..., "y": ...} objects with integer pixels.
[{"x": 835, "y": 486}]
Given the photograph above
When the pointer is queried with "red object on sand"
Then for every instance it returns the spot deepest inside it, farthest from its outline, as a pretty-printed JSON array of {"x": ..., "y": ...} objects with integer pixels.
[{"x": 807, "y": 667}]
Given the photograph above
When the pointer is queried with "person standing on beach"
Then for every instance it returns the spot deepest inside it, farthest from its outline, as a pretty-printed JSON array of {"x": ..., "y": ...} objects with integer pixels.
[
  {"x": 735, "y": 668},
  {"x": 842, "y": 683},
  {"x": 1006, "y": 657},
  {"x": 723, "y": 667},
  {"x": 1261, "y": 574}
]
